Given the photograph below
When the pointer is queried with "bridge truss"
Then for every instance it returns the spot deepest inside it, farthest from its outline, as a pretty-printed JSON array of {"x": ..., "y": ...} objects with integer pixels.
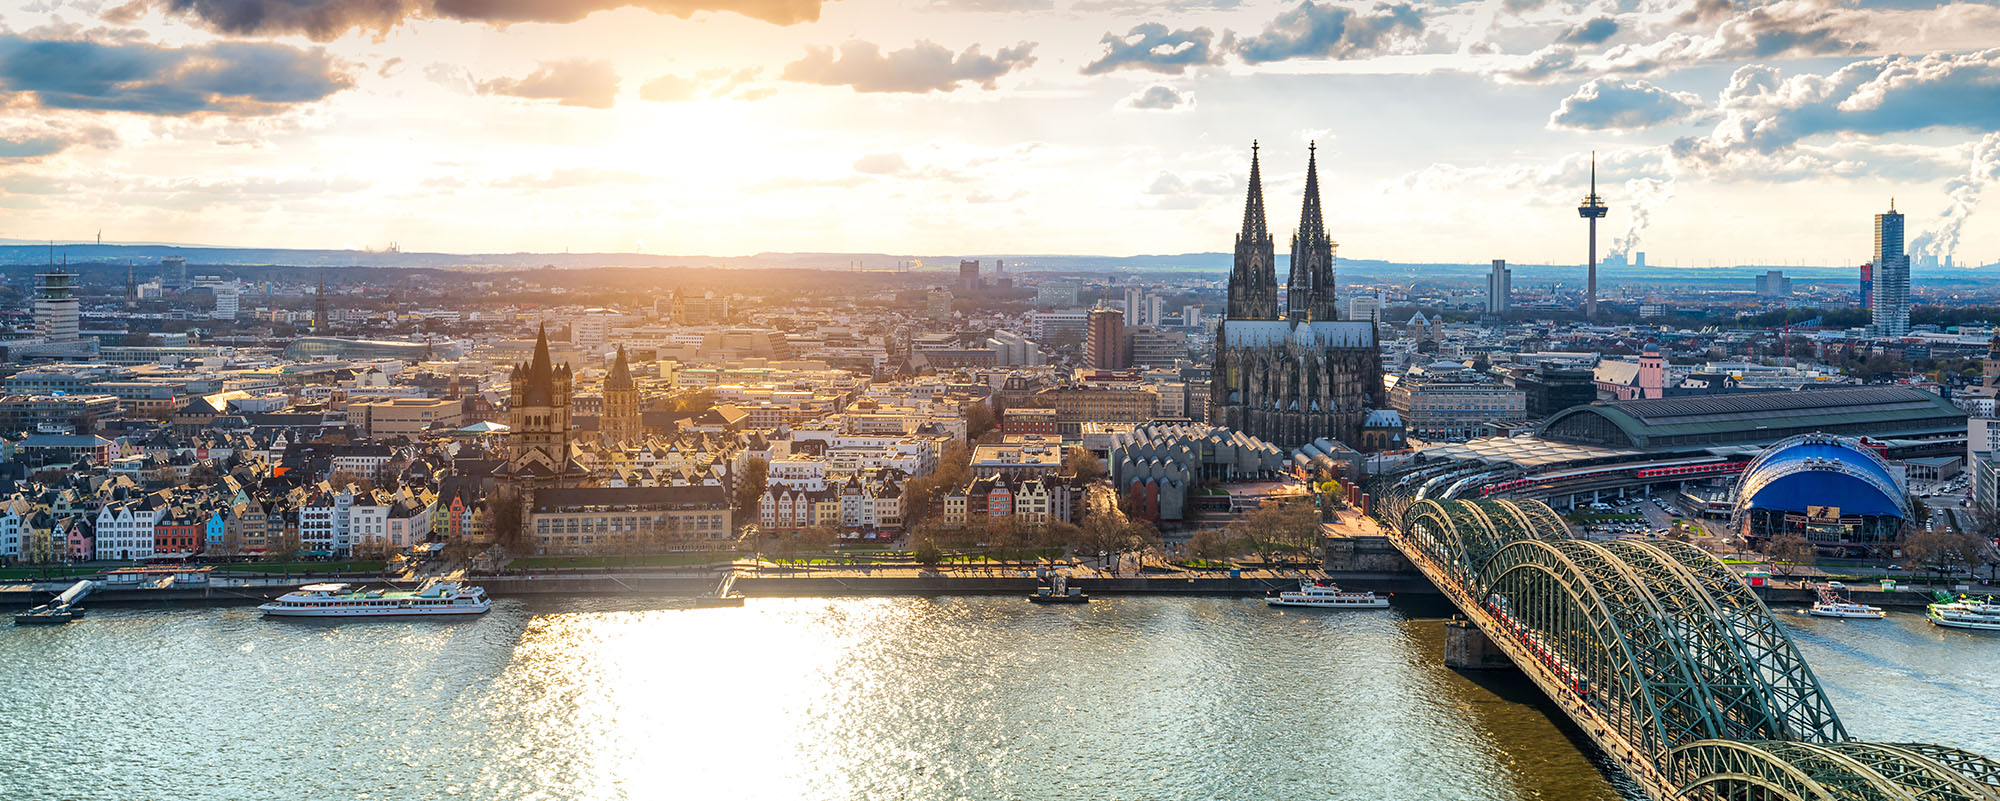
[{"x": 1664, "y": 658}]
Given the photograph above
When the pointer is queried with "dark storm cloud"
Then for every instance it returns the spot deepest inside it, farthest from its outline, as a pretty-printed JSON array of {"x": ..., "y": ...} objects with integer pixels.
[
  {"x": 237, "y": 78},
  {"x": 1331, "y": 32},
  {"x": 1153, "y": 47},
  {"x": 923, "y": 67},
  {"x": 326, "y": 19}
]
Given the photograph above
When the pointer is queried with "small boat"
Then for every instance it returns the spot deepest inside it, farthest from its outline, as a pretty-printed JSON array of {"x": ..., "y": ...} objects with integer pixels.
[
  {"x": 1964, "y": 613},
  {"x": 49, "y": 615},
  {"x": 1324, "y": 595},
  {"x": 433, "y": 597},
  {"x": 1831, "y": 604},
  {"x": 1059, "y": 592},
  {"x": 724, "y": 594}
]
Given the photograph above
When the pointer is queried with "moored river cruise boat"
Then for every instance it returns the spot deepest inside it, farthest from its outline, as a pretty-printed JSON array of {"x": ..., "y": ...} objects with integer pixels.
[
  {"x": 1327, "y": 596},
  {"x": 1964, "y": 613},
  {"x": 433, "y": 597}
]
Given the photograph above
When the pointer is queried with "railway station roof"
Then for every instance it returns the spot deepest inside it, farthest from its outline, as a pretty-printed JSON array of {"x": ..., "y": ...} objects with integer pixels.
[{"x": 1756, "y": 418}]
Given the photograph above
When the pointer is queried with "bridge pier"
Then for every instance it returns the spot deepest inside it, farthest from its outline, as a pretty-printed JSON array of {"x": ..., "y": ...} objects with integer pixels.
[{"x": 1467, "y": 648}]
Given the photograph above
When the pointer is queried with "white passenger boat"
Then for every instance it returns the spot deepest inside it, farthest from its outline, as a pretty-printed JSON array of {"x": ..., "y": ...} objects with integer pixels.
[
  {"x": 1830, "y": 604},
  {"x": 434, "y": 597},
  {"x": 1965, "y": 613},
  {"x": 1327, "y": 596}
]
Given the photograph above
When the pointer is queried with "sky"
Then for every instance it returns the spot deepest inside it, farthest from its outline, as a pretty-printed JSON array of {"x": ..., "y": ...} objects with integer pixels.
[{"x": 1726, "y": 131}]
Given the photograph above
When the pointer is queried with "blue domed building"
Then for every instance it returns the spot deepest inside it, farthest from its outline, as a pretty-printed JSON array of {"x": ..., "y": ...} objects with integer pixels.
[{"x": 1841, "y": 495}]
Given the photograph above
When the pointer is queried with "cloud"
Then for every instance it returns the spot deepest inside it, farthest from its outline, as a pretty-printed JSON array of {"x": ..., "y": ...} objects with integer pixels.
[
  {"x": 1765, "y": 116},
  {"x": 323, "y": 20},
  {"x": 881, "y": 164},
  {"x": 570, "y": 178},
  {"x": 1159, "y": 98},
  {"x": 923, "y": 67},
  {"x": 32, "y": 141},
  {"x": 1152, "y": 46},
  {"x": 711, "y": 84},
  {"x": 1335, "y": 32},
  {"x": 233, "y": 78},
  {"x": 570, "y": 82},
  {"x": 1149, "y": 7},
  {"x": 1609, "y": 105},
  {"x": 1167, "y": 183},
  {"x": 996, "y": 6},
  {"x": 1589, "y": 33},
  {"x": 1786, "y": 29},
  {"x": 669, "y": 89}
]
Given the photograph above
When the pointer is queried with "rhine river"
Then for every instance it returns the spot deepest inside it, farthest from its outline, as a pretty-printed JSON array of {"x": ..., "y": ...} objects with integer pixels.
[{"x": 867, "y": 698}]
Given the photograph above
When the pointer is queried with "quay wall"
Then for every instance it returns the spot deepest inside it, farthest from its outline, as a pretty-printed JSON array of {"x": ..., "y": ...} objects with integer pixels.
[{"x": 603, "y": 584}]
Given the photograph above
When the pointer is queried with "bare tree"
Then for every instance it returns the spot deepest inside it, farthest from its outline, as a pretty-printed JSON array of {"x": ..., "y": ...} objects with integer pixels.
[{"x": 1789, "y": 550}]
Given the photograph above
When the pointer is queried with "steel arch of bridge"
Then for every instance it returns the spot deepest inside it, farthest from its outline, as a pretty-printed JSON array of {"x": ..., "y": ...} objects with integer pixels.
[{"x": 1664, "y": 644}]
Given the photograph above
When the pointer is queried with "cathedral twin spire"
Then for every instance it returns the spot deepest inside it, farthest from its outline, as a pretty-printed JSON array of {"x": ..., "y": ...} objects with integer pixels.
[{"x": 1253, "y": 283}]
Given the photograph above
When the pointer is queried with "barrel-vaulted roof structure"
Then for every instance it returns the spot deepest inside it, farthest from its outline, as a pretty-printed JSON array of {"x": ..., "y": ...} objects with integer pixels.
[
  {"x": 1821, "y": 470},
  {"x": 1755, "y": 418}
]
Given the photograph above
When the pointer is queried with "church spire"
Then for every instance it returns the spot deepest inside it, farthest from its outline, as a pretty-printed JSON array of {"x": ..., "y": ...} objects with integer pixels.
[
  {"x": 1310, "y": 293},
  {"x": 620, "y": 376},
  {"x": 1253, "y": 204},
  {"x": 1311, "y": 220},
  {"x": 1253, "y": 282}
]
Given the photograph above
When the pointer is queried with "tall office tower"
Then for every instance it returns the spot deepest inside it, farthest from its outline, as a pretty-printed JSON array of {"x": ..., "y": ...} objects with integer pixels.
[
  {"x": 1253, "y": 282},
  {"x": 56, "y": 306},
  {"x": 968, "y": 274},
  {"x": 1867, "y": 285},
  {"x": 1135, "y": 307},
  {"x": 1892, "y": 285},
  {"x": 131, "y": 288},
  {"x": 1364, "y": 308},
  {"x": 1104, "y": 340},
  {"x": 1592, "y": 209},
  {"x": 1774, "y": 284},
  {"x": 1309, "y": 295},
  {"x": 174, "y": 272},
  {"x": 227, "y": 298},
  {"x": 1499, "y": 287}
]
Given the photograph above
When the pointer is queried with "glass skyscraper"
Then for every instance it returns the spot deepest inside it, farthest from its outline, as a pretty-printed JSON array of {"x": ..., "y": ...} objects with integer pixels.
[{"x": 1891, "y": 301}]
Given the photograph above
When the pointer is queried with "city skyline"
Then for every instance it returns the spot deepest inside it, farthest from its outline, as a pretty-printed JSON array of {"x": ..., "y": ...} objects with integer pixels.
[{"x": 1739, "y": 134}]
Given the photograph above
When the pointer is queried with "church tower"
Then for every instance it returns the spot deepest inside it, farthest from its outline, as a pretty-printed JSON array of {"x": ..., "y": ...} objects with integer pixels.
[
  {"x": 619, "y": 424},
  {"x": 1253, "y": 283},
  {"x": 538, "y": 414},
  {"x": 1310, "y": 293},
  {"x": 319, "y": 308}
]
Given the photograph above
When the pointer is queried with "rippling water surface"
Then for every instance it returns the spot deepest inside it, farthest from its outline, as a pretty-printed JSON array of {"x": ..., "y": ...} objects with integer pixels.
[{"x": 879, "y": 698}]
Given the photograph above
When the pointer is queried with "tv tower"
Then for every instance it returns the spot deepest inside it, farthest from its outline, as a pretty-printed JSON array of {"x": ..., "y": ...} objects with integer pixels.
[{"x": 1592, "y": 209}]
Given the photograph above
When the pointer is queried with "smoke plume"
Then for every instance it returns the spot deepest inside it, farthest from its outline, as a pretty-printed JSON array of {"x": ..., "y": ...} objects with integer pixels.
[
  {"x": 1643, "y": 196},
  {"x": 1941, "y": 238}
]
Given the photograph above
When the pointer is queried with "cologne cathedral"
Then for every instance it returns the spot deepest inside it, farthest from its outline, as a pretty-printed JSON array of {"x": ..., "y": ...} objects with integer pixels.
[{"x": 1293, "y": 374}]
